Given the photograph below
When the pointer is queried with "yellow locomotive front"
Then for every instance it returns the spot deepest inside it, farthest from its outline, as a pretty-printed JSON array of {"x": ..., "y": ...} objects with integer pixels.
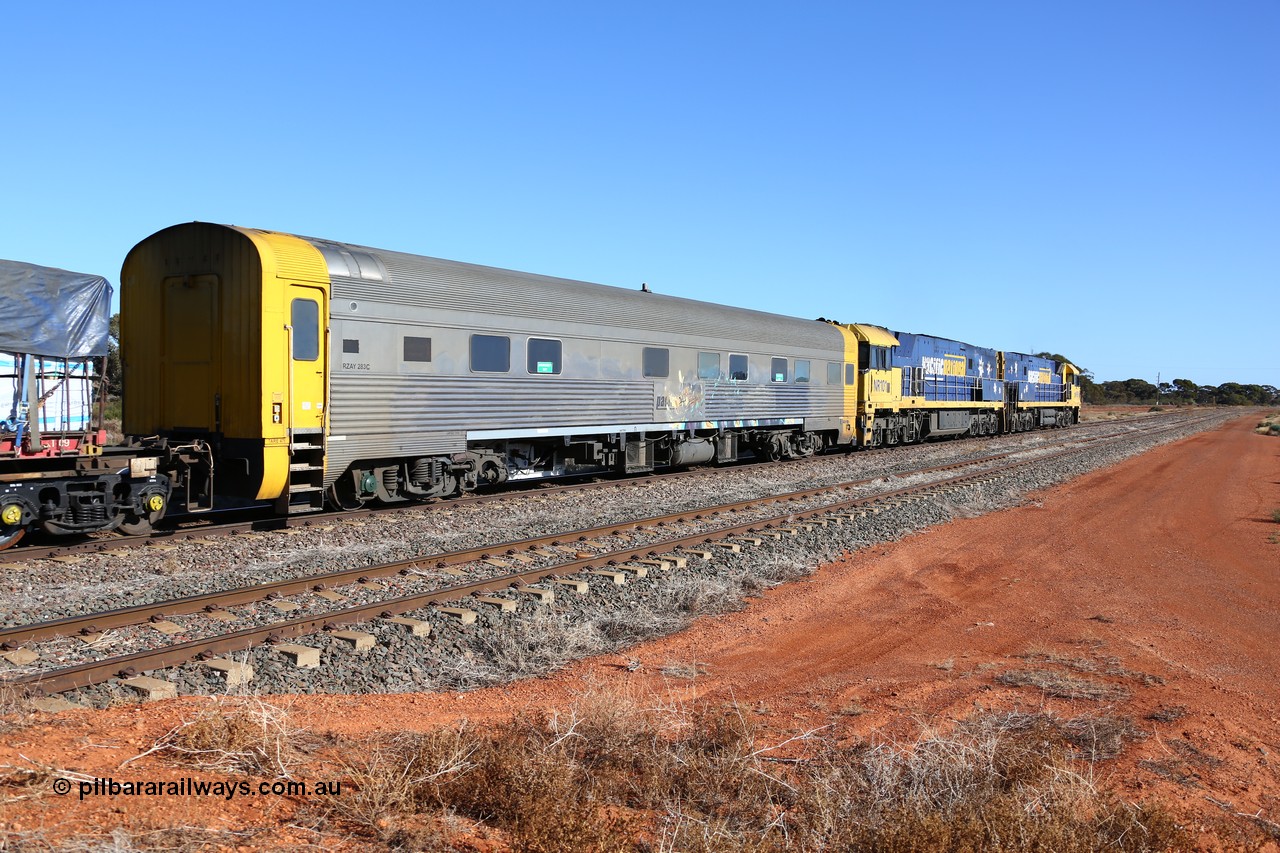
[{"x": 224, "y": 347}]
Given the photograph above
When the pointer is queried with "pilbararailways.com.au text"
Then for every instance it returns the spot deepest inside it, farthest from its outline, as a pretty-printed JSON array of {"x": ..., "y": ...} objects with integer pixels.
[{"x": 188, "y": 787}]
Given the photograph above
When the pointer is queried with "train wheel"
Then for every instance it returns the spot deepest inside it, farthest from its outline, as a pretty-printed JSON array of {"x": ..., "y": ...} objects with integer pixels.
[
  {"x": 11, "y": 534},
  {"x": 140, "y": 525},
  {"x": 136, "y": 524},
  {"x": 344, "y": 497}
]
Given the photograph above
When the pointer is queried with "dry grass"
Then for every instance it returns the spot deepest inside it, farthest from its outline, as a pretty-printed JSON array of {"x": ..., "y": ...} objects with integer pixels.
[
  {"x": 1049, "y": 677},
  {"x": 239, "y": 735},
  {"x": 610, "y": 775},
  {"x": 1089, "y": 738},
  {"x": 1269, "y": 425},
  {"x": 1168, "y": 713},
  {"x": 1062, "y": 685},
  {"x": 1106, "y": 664},
  {"x": 15, "y": 707}
]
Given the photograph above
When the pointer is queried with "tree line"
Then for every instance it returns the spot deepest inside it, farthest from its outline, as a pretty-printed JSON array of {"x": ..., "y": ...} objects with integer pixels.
[{"x": 1179, "y": 392}]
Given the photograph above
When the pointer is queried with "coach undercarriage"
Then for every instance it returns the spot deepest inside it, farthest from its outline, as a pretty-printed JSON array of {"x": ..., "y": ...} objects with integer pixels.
[
  {"x": 397, "y": 480},
  {"x": 494, "y": 463}
]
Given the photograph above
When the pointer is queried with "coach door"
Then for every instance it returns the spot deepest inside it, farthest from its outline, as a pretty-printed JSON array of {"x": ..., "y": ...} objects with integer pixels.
[
  {"x": 307, "y": 358},
  {"x": 307, "y": 329},
  {"x": 191, "y": 388}
]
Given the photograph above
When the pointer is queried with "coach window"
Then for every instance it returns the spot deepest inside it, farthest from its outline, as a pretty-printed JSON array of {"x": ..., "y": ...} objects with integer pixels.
[
  {"x": 657, "y": 362},
  {"x": 833, "y": 373},
  {"x": 417, "y": 349},
  {"x": 802, "y": 371},
  {"x": 708, "y": 365},
  {"x": 304, "y": 317},
  {"x": 738, "y": 367},
  {"x": 544, "y": 355},
  {"x": 351, "y": 345},
  {"x": 778, "y": 369},
  {"x": 490, "y": 353},
  {"x": 850, "y": 377}
]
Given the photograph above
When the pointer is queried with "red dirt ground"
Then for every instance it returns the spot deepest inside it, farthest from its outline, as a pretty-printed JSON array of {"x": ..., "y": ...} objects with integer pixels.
[{"x": 1163, "y": 573}]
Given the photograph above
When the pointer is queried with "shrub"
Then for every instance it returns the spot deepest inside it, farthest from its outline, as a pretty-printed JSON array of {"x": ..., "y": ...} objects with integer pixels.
[
  {"x": 246, "y": 735},
  {"x": 611, "y": 776}
]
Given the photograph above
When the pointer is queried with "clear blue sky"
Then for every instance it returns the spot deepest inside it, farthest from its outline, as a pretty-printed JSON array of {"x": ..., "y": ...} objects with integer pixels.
[{"x": 1100, "y": 179}]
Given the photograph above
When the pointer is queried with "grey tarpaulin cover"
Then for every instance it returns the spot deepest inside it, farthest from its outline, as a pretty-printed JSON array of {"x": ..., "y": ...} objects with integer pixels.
[{"x": 52, "y": 312}]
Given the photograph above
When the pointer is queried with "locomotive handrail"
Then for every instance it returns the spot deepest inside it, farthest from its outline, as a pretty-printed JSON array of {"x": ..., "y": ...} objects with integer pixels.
[{"x": 944, "y": 387}]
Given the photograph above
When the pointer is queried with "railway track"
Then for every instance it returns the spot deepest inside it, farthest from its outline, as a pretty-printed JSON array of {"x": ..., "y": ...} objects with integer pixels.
[
  {"x": 537, "y": 568},
  {"x": 206, "y": 525}
]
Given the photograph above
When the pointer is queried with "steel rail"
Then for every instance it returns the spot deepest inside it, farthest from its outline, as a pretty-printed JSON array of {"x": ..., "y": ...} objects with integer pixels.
[{"x": 93, "y": 672}]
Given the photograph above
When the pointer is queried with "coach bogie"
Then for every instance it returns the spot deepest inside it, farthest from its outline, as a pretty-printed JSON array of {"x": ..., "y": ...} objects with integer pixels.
[
  {"x": 805, "y": 443},
  {"x": 421, "y": 478}
]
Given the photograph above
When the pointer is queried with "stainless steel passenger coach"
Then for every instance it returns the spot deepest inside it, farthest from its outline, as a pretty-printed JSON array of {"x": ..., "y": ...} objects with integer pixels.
[{"x": 317, "y": 368}]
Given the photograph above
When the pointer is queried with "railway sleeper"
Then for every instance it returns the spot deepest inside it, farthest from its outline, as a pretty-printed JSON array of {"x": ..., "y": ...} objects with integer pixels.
[
  {"x": 152, "y": 689},
  {"x": 302, "y": 657},
  {"x": 234, "y": 672}
]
